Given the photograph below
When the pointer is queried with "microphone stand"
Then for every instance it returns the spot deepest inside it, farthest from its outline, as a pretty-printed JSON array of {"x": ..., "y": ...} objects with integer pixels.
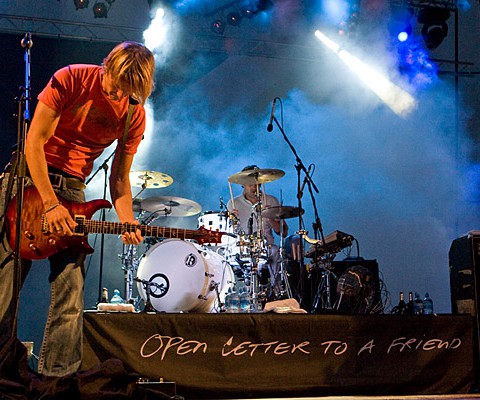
[
  {"x": 299, "y": 166},
  {"x": 20, "y": 170},
  {"x": 104, "y": 167}
]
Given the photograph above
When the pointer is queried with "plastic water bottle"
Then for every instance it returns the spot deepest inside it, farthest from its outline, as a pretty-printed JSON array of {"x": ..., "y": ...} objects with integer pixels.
[
  {"x": 235, "y": 302},
  {"x": 116, "y": 298},
  {"x": 418, "y": 305},
  {"x": 427, "y": 305},
  {"x": 244, "y": 300}
]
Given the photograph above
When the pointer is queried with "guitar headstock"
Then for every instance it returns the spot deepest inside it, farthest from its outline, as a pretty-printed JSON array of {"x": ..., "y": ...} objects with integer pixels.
[{"x": 204, "y": 235}]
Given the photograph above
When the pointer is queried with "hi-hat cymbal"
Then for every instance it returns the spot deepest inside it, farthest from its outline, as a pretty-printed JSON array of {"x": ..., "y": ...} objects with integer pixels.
[
  {"x": 256, "y": 176},
  {"x": 171, "y": 206},
  {"x": 150, "y": 179},
  {"x": 282, "y": 212}
]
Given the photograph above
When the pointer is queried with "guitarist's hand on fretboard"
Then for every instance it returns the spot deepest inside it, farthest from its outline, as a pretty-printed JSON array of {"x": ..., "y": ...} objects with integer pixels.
[{"x": 132, "y": 237}]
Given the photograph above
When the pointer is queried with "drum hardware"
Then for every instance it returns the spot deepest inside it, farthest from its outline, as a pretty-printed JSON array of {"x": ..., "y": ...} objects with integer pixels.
[
  {"x": 214, "y": 286},
  {"x": 171, "y": 206},
  {"x": 253, "y": 244},
  {"x": 130, "y": 264},
  {"x": 147, "y": 285},
  {"x": 280, "y": 213}
]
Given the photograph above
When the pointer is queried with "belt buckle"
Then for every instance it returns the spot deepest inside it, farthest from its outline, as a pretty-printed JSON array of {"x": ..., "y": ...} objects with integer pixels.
[{"x": 56, "y": 180}]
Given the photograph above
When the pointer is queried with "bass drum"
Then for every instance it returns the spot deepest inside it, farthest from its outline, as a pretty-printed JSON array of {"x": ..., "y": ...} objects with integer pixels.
[{"x": 182, "y": 277}]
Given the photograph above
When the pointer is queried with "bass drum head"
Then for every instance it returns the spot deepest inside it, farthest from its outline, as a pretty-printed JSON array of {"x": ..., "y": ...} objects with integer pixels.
[{"x": 180, "y": 276}]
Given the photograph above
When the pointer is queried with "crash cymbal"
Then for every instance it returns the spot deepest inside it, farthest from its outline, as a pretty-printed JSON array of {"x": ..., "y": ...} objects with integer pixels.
[
  {"x": 256, "y": 176},
  {"x": 171, "y": 206},
  {"x": 150, "y": 179},
  {"x": 282, "y": 212}
]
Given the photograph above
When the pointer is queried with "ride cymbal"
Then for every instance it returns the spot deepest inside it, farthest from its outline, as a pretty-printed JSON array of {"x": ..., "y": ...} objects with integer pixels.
[
  {"x": 171, "y": 206},
  {"x": 256, "y": 176},
  {"x": 149, "y": 179},
  {"x": 282, "y": 212}
]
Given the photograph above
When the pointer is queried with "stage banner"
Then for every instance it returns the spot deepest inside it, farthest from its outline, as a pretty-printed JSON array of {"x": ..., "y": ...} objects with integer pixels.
[{"x": 275, "y": 355}]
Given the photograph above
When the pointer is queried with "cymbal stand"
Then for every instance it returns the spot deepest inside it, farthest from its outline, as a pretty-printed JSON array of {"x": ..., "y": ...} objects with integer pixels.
[
  {"x": 285, "y": 288},
  {"x": 130, "y": 262},
  {"x": 255, "y": 253}
]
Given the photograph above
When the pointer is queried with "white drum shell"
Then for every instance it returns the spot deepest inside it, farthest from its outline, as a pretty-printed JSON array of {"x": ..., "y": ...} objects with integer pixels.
[
  {"x": 186, "y": 273},
  {"x": 216, "y": 220}
]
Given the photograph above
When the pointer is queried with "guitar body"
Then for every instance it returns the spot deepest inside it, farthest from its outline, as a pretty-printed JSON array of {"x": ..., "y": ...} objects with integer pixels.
[{"x": 36, "y": 241}]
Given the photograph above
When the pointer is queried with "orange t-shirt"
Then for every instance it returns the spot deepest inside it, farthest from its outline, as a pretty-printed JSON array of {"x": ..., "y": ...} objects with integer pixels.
[{"x": 89, "y": 121}]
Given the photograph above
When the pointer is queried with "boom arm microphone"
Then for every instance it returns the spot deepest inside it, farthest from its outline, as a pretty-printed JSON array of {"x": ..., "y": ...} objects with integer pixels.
[{"x": 270, "y": 122}]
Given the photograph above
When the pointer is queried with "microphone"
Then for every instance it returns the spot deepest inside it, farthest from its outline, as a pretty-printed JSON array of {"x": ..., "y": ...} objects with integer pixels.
[
  {"x": 26, "y": 42},
  {"x": 270, "y": 124},
  {"x": 132, "y": 101}
]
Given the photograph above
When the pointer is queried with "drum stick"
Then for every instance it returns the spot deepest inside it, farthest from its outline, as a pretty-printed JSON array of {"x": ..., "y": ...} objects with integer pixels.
[{"x": 231, "y": 195}]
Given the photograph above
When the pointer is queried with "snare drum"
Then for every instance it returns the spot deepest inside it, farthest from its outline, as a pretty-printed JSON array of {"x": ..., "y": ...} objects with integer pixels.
[
  {"x": 218, "y": 220},
  {"x": 182, "y": 277}
]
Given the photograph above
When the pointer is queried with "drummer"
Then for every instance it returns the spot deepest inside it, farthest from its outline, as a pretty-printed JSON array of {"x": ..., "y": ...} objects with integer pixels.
[{"x": 246, "y": 211}]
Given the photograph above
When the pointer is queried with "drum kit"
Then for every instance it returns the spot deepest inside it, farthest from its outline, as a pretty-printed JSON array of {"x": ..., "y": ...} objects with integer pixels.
[{"x": 180, "y": 275}]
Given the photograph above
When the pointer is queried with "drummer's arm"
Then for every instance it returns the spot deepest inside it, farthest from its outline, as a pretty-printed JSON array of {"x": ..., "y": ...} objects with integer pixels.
[{"x": 276, "y": 226}]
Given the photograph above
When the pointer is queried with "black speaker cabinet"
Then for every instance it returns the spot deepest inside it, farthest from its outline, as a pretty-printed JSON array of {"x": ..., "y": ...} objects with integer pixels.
[
  {"x": 355, "y": 287},
  {"x": 464, "y": 262}
]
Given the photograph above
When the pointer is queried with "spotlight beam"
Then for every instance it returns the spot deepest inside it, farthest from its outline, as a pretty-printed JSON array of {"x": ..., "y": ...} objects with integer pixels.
[{"x": 398, "y": 100}]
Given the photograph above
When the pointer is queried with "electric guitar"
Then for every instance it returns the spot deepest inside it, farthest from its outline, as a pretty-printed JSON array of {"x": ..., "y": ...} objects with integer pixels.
[{"x": 37, "y": 242}]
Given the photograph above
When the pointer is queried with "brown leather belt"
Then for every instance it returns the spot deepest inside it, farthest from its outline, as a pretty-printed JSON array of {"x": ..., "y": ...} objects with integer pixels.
[
  {"x": 59, "y": 181},
  {"x": 62, "y": 182}
]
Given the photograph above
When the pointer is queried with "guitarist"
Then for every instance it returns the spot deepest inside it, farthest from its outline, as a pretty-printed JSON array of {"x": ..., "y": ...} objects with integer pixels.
[{"x": 82, "y": 110}]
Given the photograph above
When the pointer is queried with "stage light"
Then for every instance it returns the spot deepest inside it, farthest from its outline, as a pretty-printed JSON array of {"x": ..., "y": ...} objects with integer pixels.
[
  {"x": 218, "y": 26},
  {"x": 100, "y": 10},
  {"x": 404, "y": 34},
  {"x": 79, "y": 4},
  {"x": 247, "y": 10},
  {"x": 399, "y": 24},
  {"x": 234, "y": 18},
  {"x": 435, "y": 27},
  {"x": 398, "y": 100}
]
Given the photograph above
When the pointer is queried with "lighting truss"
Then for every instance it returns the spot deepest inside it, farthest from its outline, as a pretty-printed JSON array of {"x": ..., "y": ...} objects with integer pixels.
[{"x": 451, "y": 5}]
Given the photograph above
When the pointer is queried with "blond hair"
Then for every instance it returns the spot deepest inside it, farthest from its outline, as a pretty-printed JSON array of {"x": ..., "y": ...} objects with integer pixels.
[{"x": 132, "y": 67}]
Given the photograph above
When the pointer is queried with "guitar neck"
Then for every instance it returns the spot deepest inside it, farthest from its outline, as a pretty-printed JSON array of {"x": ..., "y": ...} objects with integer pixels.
[{"x": 117, "y": 228}]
